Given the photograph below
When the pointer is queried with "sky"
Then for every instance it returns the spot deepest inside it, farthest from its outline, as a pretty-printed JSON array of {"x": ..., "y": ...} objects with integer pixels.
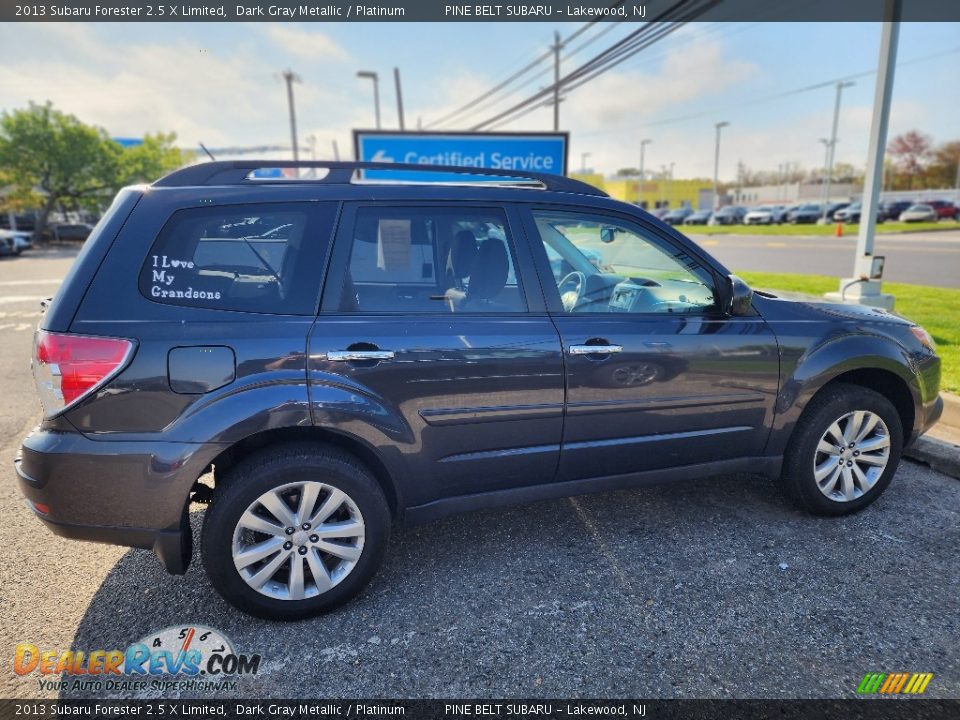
[{"x": 220, "y": 84}]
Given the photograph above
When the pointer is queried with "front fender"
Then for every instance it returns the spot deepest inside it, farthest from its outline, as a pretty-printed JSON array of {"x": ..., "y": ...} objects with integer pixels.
[{"x": 806, "y": 371}]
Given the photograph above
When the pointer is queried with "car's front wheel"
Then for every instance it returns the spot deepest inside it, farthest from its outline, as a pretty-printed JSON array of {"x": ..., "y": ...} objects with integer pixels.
[
  {"x": 844, "y": 451},
  {"x": 295, "y": 531}
]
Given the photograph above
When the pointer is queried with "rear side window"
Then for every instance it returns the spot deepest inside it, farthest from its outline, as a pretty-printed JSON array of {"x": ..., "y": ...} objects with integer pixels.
[
  {"x": 253, "y": 258},
  {"x": 428, "y": 259}
]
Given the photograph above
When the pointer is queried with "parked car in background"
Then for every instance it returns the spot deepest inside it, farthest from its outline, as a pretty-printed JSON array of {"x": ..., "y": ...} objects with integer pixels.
[
  {"x": 729, "y": 215},
  {"x": 677, "y": 215},
  {"x": 835, "y": 208},
  {"x": 891, "y": 210},
  {"x": 24, "y": 221},
  {"x": 20, "y": 240},
  {"x": 920, "y": 212},
  {"x": 72, "y": 232},
  {"x": 945, "y": 210},
  {"x": 658, "y": 213},
  {"x": 851, "y": 214},
  {"x": 765, "y": 215},
  {"x": 6, "y": 246},
  {"x": 805, "y": 214},
  {"x": 700, "y": 217}
]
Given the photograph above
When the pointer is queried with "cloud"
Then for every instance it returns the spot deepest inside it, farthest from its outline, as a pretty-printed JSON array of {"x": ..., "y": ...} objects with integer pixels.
[{"x": 305, "y": 44}]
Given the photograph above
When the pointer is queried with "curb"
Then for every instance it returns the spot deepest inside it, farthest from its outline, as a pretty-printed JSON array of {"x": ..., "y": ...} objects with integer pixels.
[
  {"x": 941, "y": 456},
  {"x": 951, "y": 410}
]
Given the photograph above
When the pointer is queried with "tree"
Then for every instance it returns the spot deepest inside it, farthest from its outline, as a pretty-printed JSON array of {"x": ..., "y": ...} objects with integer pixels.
[
  {"x": 49, "y": 157},
  {"x": 943, "y": 170},
  {"x": 910, "y": 152}
]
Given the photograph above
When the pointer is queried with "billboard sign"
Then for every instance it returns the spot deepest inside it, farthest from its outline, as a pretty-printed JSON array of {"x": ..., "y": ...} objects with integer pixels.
[{"x": 531, "y": 152}]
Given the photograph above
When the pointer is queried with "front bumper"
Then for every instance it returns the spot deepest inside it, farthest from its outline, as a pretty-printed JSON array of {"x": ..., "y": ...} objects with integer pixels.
[
  {"x": 929, "y": 414},
  {"x": 123, "y": 493}
]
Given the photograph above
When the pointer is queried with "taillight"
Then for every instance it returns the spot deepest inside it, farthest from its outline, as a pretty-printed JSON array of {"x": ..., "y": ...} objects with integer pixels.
[{"x": 67, "y": 367}]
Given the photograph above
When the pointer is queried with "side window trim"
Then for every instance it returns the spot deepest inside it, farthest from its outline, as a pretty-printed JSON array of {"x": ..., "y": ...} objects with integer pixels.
[
  {"x": 545, "y": 273},
  {"x": 343, "y": 238}
]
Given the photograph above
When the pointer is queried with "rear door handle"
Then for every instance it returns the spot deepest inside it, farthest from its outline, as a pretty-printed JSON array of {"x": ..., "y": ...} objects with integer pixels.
[
  {"x": 347, "y": 355},
  {"x": 595, "y": 349}
]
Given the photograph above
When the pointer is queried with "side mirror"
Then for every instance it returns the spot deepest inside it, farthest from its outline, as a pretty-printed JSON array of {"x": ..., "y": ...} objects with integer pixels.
[
  {"x": 739, "y": 297},
  {"x": 608, "y": 234}
]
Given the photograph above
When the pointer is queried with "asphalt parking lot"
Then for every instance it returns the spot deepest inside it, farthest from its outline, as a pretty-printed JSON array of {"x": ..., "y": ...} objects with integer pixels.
[{"x": 713, "y": 588}]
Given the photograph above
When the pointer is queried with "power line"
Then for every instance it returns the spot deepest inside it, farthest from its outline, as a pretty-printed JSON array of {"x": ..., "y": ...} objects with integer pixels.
[
  {"x": 768, "y": 98},
  {"x": 520, "y": 73},
  {"x": 613, "y": 55}
]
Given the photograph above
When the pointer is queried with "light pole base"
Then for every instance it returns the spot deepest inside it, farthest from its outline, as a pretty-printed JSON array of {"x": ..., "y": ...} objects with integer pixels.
[{"x": 858, "y": 292}]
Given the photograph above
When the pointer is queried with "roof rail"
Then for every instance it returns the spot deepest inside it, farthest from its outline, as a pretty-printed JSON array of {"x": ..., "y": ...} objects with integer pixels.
[{"x": 237, "y": 172}]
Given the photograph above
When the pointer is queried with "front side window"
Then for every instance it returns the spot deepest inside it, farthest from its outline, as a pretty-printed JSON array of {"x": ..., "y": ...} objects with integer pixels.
[
  {"x": 252, "y": 258},
  {"x": 428, "y": 259},
  {"x": 603, "y": 265}
]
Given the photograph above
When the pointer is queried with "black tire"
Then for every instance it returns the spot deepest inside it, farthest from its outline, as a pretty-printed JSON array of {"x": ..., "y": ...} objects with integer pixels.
[
  {"x": 834, "y": 401},
  {"x": 271, "y": 468}
]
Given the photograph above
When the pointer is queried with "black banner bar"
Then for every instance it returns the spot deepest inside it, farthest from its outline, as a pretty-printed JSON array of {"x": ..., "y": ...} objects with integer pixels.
[
  {"x": 853, "y": 709},
  {"x": 434, "y": 11}
]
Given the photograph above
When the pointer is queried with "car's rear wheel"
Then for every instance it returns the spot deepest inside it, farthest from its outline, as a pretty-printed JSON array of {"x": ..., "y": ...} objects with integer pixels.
[
  {"x": 295, "y": 531},
  {"x": 844, "y": 451}
]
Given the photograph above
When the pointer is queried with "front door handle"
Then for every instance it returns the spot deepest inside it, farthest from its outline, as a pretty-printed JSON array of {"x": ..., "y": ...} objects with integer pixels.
[
  {"x": 595, "y": 349},
  {"x": 347, "y": 355}
]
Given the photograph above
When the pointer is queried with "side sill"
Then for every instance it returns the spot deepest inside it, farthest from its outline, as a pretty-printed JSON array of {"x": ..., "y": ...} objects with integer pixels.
[{"x": 768, "y": 466}]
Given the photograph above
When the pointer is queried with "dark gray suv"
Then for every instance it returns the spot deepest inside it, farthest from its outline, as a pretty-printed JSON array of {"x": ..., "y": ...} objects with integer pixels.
[{"x": 321, "y": 356}]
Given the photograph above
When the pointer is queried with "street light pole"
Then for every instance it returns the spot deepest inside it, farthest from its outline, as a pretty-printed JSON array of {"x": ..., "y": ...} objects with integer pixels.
[
  {"x": 832, "y": 150},
  {"x": 369, "y": 75},
  {"x": 556, "y": 47},
  {"x": 583, "y": 162},
  {"x": 290, "y": 78},
  {"x": 396, "y": 80},
  {"x": 716, "y": 166},
  {"x": 862, "y": 287},
  {"x": 643, "y": 144}
]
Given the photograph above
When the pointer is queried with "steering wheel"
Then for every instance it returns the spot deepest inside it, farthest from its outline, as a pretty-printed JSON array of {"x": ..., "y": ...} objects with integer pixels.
[{"x": 572, "y": 288}]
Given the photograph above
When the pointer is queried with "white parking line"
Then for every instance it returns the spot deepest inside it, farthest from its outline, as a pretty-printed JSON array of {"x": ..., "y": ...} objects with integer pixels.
[
  {"x": 44, "y": 281},
  {"x": 7, "y": 299}
]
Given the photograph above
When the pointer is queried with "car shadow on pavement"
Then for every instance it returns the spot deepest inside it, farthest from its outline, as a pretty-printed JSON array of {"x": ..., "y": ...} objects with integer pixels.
[{"x": 708, "y": 588}]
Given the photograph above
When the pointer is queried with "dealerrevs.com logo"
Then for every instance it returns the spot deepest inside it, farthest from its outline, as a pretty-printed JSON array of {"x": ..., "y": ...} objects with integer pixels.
[{"x": 177, "y": 658}]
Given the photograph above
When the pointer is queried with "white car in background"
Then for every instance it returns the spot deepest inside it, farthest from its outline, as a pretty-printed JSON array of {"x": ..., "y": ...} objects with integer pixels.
[
  {"x": 20, "y": 240},
  {"x": 765, "y": 215},
  {"x": 919, "y": 213}
]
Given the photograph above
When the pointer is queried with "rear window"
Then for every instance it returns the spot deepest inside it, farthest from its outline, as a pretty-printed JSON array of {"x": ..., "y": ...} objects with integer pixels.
[{"x": 252, "y": 258}]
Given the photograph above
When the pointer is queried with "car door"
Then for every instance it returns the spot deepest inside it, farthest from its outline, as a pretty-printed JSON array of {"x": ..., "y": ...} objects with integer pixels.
[
  {"x": 656, "y": 375},
  {"x": 454, "y": 370}
]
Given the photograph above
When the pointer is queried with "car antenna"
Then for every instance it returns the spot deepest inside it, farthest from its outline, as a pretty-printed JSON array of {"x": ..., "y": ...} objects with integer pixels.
[{"x": 209, "y": 154}]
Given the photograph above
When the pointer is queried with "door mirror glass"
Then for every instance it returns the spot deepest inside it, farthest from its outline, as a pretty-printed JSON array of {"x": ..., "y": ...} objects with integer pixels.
[{"x": 741, "y": 297}]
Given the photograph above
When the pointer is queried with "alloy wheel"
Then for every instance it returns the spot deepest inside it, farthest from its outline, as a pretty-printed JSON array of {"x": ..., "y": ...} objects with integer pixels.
[
  {"x": 851, "y": 455},
  {"x": 298, "y": 540}
]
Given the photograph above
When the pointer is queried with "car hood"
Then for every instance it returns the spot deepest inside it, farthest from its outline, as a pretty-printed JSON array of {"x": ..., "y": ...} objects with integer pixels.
[{"x": 813, "y": 310}]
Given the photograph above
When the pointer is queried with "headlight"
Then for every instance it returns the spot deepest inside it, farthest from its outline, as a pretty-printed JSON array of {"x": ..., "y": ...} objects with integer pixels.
[{"x": 924, "y": 337}]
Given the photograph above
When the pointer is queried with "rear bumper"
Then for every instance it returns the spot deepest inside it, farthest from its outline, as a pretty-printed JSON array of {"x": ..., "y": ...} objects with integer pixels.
[{"x": 122, "y": 493}]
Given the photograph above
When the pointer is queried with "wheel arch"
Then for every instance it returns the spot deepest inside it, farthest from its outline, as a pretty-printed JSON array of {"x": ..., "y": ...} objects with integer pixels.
[
  {"x": 256, "y": 442},
  {"x": 868, "y": 361}
]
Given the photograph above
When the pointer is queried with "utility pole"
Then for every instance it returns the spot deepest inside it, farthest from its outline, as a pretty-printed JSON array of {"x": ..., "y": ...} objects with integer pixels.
[
  {"x": 369, "y": 75},
  {"x": 336, "y": 150},
  {"x": 670, "y": 195},
  {"x": 832, "y": 151},
  {"x": 716, "y": 166},
  {"x": 862, "y": 287},
  {"x": 643, "y": 144},
  {"x": 583, "y": 162},
  {"x": 556, "y": 47},
  {"x": 396, "y": 80},
  {"x": 290, "y": 78}
]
